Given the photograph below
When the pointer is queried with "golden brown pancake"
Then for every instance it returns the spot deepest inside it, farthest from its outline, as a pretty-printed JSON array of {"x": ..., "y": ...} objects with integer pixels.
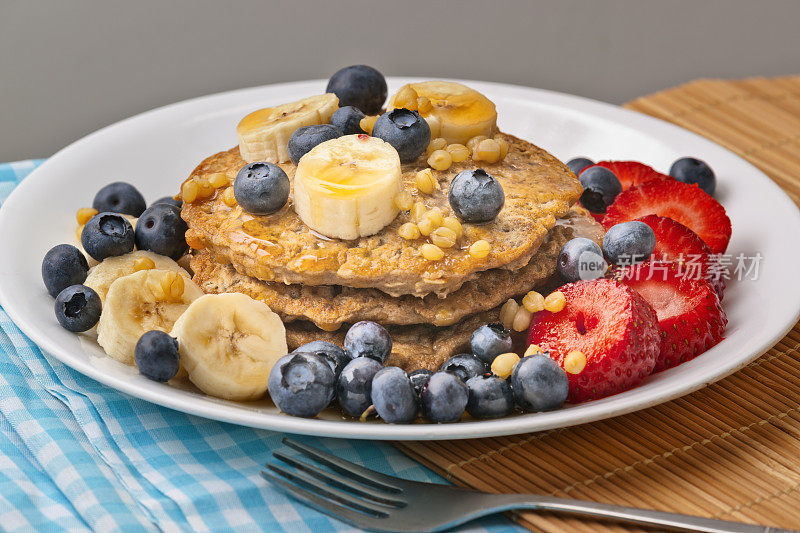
[
  {"x": 329, "y": 306},
  {"x": 279, "y": 247}
]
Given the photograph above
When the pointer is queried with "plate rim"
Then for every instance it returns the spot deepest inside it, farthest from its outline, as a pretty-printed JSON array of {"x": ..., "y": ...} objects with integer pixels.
[{"x": 233, "y": 413}]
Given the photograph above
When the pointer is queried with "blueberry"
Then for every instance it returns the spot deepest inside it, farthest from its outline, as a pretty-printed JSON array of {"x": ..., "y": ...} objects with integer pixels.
[
  {"x": 393, "y": 396},
  {"x": 347, "y": 119},
  {"x": 489, "y": 341},
  {"x": 581, "y": 258},
  {"x": 489, "y": 397},
  {"x": 63, "y": 266},
  {"x": 406, "y": 131},
  {"x": 691, "y": 170},
  {"x": 419, "y": 378},
  {"x": 304, "y": 139},
  {"x": 368, "y": 339},
  {"x": 578, "y": 164},
  {"x": 354, "y": 385},
  {"x": 629, "y": 242},
  {"x": 161, "y": 230},
  {"x": 107, "y": 235},
  {"x": 600, "y": 188},
  {"x": 335, "y": 356},
  {"x": 301, "y": 384},
  {"x": 120, "y": 197},
  {"x": 539, "y": 384},
  {"x": 476, "y": 196},
  {"x": 261, "y": 188},
  {"x": 78, "y": 308},
  {"x": 464, "y": 365},
  {"x": 156, "y": 355},
  {"x": 359, "y": 86},
  {"x": 168, "y": 200},
  {"x": 444, "y": 398}
]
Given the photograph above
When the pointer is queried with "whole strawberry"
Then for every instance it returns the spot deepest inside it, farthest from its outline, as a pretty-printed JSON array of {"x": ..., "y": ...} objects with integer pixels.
[
  {"x": 688, "y": 310},
  {"x": 607, "y": 324}
]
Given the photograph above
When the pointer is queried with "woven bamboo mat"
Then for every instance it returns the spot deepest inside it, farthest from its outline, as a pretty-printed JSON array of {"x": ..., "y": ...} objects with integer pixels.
[{"x": 729, "y": 451}]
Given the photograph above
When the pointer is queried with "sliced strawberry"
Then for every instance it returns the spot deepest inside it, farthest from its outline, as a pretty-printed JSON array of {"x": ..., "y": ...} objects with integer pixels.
[
  {"x": 678, "y": 244},
  {"x": 632, "y": 173},
  {"x": 681, "y": 202},
  {"x": 614, "y": 327},
  {"x": 689, "y": 313}
]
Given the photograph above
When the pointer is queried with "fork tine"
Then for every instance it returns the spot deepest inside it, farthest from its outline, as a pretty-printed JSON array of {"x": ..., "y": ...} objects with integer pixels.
[
  {"x": 344, "y": 498},
  {"x": 321, "y": 504},
  {"x": 340, "y": 481},
  {"x": 365, "y": 475}
]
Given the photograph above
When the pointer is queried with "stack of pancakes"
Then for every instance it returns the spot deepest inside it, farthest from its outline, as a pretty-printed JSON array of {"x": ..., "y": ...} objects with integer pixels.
[{"x": 320, "y": 286}]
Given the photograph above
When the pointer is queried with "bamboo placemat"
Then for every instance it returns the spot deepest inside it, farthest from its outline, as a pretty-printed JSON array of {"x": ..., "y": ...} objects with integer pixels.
[{"x": 729, "y": 451}]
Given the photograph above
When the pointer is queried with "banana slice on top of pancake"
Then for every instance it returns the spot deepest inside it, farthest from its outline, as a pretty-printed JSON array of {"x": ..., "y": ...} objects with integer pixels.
[
  {"x": 453, "y": 111},
  {"x": 344, "y": 188},
  {"x": 264, "y": 134}
]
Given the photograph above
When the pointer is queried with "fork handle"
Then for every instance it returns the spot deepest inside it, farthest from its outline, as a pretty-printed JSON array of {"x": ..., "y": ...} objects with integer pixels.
[{"x": 630, "y": 515}]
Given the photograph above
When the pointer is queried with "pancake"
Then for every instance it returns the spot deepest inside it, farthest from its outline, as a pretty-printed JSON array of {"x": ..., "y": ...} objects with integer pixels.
[
  {"x": 328, "y": 307},
  {"x": 279, "y": 247},
  {"x": 413, "y": 347}
]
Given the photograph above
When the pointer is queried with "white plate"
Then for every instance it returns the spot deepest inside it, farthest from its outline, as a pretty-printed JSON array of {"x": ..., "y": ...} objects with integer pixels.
[{"x": 158, "y": 149}]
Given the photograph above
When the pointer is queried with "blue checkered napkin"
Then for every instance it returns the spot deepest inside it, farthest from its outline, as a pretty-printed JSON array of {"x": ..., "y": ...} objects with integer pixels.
[
  {"x": 78, "y": 456},
  {"x": 13, "y": 173}
]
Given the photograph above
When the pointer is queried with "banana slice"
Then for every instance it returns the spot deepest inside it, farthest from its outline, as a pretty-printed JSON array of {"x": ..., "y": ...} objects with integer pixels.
[
  {"x": 104, "y": 274},
  {"x": 264, "y": 134},
  {"x": 345, "y": 188},
  {"x": 229, "y": 343},
  {"x": 457, "y": 113},
  {"x": 89, "y": 259},
  {"x": 138, "y": 303}
]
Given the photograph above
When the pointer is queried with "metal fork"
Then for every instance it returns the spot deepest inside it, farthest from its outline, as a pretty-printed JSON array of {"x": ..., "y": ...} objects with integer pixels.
[{"x": 371, "y": 500}]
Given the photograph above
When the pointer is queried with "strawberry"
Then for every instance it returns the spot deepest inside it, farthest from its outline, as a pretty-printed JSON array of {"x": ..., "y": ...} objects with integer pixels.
[
  {"x": 689, "y": 313},
  {"x": 678, "y": 244},
  {"x": 611, "y": 325},
  {"x": 681, "y": 202},
  {"x": 632, "y": 173}
]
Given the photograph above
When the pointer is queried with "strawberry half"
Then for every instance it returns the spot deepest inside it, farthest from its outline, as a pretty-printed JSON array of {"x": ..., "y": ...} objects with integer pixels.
[
  {"x": 612, "y": 325},
  {"x": 681, "y": 202},
  {"x": 632, "y": 173},
  {"x": 689, "y": 313},
  {"x": 678, "y": 244}
]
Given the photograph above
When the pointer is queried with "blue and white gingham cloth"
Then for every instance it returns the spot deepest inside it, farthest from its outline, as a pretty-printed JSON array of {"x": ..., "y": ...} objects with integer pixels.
[{"x": 76, "y": 455}]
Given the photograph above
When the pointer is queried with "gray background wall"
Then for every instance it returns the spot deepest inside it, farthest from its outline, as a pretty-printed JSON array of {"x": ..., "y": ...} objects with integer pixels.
[{"x": 70, "y": 67}]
